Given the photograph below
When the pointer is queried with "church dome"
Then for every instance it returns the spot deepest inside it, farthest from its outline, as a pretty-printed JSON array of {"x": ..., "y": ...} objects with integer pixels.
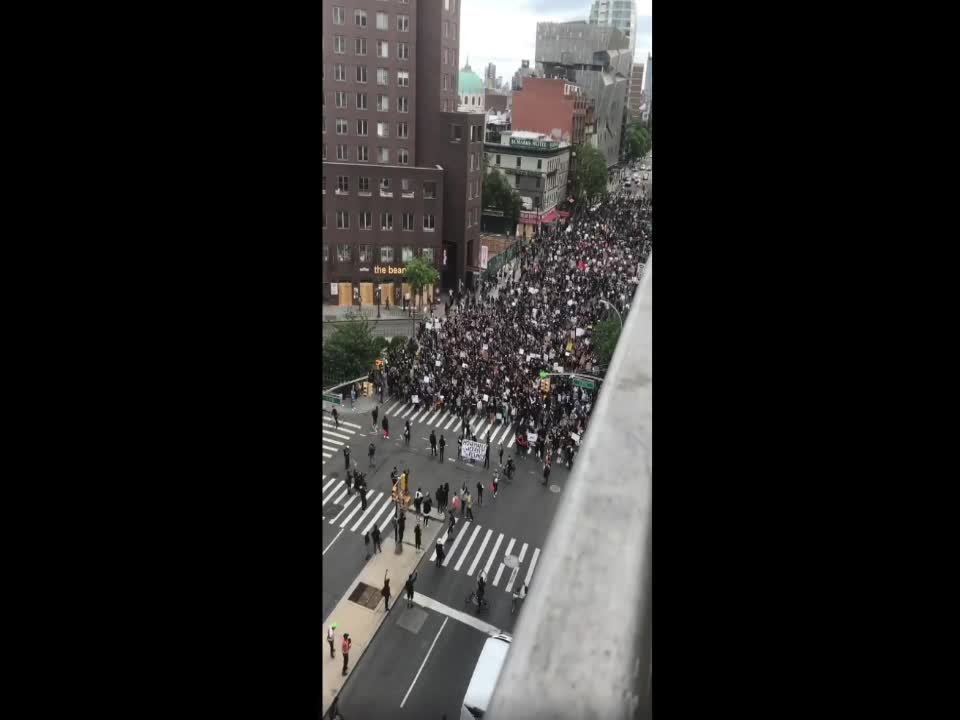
[{"x": 469, "y": 82}]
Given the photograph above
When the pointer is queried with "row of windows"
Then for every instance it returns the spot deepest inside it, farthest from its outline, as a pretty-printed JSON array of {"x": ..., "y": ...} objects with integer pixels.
[
  {"x": 365, "y": 221},
  {"x": 386, "y": 190},
  {"x": 554, "y": 164},
  {"x": 360, "y": 19},
  {"x": 363, "y": 154},
  {"x": 383, "y": 102},
  {"x": 383, "y": 75},
  {"x": 360, "y": 48},
  {"x": 365, "y": 253},
  {"x": 456, "y": 133},
  {"x": 383, "y": 128}
]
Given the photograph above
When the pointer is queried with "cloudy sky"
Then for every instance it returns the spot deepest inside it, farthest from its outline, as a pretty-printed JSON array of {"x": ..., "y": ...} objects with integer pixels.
[{"x": 505, "y": 31}]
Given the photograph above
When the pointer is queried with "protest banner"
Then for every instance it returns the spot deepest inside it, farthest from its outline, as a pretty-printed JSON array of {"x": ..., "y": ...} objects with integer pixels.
[{"x": 473, "y": 450}]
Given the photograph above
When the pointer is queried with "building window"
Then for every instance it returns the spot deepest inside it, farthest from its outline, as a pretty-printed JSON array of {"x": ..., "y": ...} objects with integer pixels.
[
  {"x": 360, "y": 18},
  {"x": 363, "y": 153},
  {"x": 339, "y": 44},
  {"x": 383, "y": 49},
  {"x": 323, "y": 184},
  {"x": 403, "y": 23},
  {"x": 403, "y": 157},
  {"x": 456, "y": 132},
  {"x": 430, "y": 190},
  {"x": 386, "y": 254},
  {"x": 341, "y": 98},
  {"x": 406, "y": 254},
  {"x": 361, "y": 127},
  {"x": 361, "y": 101},
  {"x": 386, "y": 221},
  {"x": 446, "y": 28},
  {"x": 360, "y": 46},
  {"x": 539, "y": 164},
  {"x": 383, "y": 76},
  {"x": 443, "y": 57},
  {"x": 403, "y": 130},
  {"x": 324, "y": 151},
  {"x": 403, "y": 78},
  {"x": 344, "y": 252},
  {"x": 427, "y": 254},
  {"x": 361, "y": 73},
  {"x": 383, "y": 22},
  {"x": 326, "y": 249},
  {"x": 343, "y": 220},
  {"x": 429, "y": 222},
  {"x": 363, "y": 185},
  {"x": 384, "y": 155},
  {"x": 343, "y": 153},
  {"x": 538, "y": 184},
  {"x": 403, "y": 51},
  {"x": 518, "y": 162},
  {"x": 403, "y": 104},
  {"x": 323, "y": 123},
  {"x": 408, "y": 222},
  {"x": 323, "y": 222},
  {"x": 366, "y": 254},
  {"x": 444, "y": 82},
  {"x": 340, "y": 74},
  {"x": 385, "y": 187},
  {"x": 365, "y": 223},
  {"x": 406, "y": 187},
  {"x": 338, "y": 15},
  {"x": 383, "y": 103},
  {"x": 341, "y": 126},
  {"x": 383, "y": 129},
  {"x": 343, "y": 183},
  {"x": 498, "y": 159}
]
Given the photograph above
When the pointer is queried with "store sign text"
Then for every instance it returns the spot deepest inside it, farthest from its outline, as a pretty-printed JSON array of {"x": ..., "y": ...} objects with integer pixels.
[{"x": 387, "y": 270}]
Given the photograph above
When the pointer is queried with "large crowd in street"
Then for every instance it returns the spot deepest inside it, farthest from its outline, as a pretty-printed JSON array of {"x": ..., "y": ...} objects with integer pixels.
[{"x": 483, "y": 359}]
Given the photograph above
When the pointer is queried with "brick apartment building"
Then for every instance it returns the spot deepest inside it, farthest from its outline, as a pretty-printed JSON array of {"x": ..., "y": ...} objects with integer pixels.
[
  {"x": 401, "y": 168},
  {"x": 557, "y": 108}
]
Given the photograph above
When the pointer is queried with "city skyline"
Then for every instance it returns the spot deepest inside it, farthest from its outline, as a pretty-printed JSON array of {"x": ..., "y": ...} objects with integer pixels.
[{"x": 517, "y": 37}]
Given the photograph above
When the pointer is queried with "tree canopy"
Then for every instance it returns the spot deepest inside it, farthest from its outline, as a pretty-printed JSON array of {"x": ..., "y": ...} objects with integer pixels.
[
  {"x": 605, "y": 336},
  {"x": 639, "y": 141},
  {"x": 349, "y": 352},
  {"x": 498, "y": 195},
  {"x": 420, "y": 272},
  {"x": 590, "y": 182}
]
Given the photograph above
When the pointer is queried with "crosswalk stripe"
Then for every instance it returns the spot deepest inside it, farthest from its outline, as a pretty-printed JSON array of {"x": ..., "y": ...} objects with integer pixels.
[
  {"x": 466, "y": 550},
  {"x": 333, "y": 442},
  {"x": 429, "y": 420},
  {"x": 502, "y": 566},
  {"x": 370, "y": 506},
  {"x": 390, "y": 410},
  {"x": 533, "y": 564},
  {"x": 342, "y": 495},
  {"x": 344, "y": 508},
  {"x": 326, "y": 456},
  {"x": 473, "y": 565},
  {"x": 336, "y": 434},
  {"x": 453, "y": 548},
  {"x": 523, "y": 552},
  {"x": 401, "y": 409},
  {"x": 512, "y": 440},
  {"x": 331, "y": 494},
  {"x": 416, "y": 414},
  {"x": 330, "y": 427},
  {"x": 331, "y": 449},
  {"x": 443, "y": 417},
  {"x": 450, "y": 422},
  {"x": 459, "y": 423},
  {"x": 386, "y": 521},
  {"x": 484, "y": 429},
  {"x": 354, "y": 511},
  {"x": 493, "y": 555},
  {"x": 347, "y": 422},
  {"x": 373, "y": 520},
  {"x": 328, "y": 484},
  {"x": 409, "y": 410}
]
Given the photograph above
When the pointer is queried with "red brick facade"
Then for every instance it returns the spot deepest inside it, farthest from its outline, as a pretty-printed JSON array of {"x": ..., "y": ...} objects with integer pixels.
[{"x": 545, "y": 105}]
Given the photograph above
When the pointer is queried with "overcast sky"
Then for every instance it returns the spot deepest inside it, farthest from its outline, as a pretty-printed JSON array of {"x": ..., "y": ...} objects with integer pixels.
[{"x": 505, "y": 31}]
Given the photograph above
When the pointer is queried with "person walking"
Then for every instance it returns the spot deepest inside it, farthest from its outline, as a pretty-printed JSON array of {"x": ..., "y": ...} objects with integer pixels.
[
  {"x": 468, "y": 504},
  {"x": 396, "y": 529},
  {"x": 501, "y": 453},
  {"x": 366, "y": 545},
  {"x": 346, "y": 458},
  {"x": 440, "y": 552},
  {"x": 439, "y": 497},
  {"x": 336, "y": 420},
  {"x": 417, "y": 501},
  {"x": 330, "y": 639},
  {"x": 345, "y": 649},
  {"x": 386, "y": 428},
  {"x": 370, "y": 453},
  {"x": 376, "y": 539},
  {"x": 480, "y": 492},
  {"x": 546, "y": 472},
  {"x": 496, "y": 482},
  {"x": 443, "y": 444},
  {"x": 416, "y": 536},
  {"x": 408, "y": 586},
  {"x": 455, "y": 504},
  {"x": 486, "y": 458},
  {"x": 353, "y": 397},
  {"x": 385, "y": 591},
  {"x": 426, "y": 510},
  {"x": 373, "y": 414},
  {"x": 433, "y": 443},
  {"x": 363, "y": 493},
  {"x": 402, "y": 524}
]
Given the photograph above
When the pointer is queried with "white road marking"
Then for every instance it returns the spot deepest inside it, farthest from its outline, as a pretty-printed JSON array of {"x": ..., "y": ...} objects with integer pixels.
[
  {"x": 390, "y": 410},
  {"x": 466, "y": 550},
  {"x": 326, "y": 455},
  {"x": 333, "y": 442},
  {"x": 408, "y": 411},
  {"x": 331, "y": 494},
  {"x": 513, "y": 439},
  {"x": 426, "y": 657},
  {"x": 328, "y": 484},
  {"x": 473, "y": 565},
  {"x": 387, "y": 521},
  {"x": 493, "y": 555},
  {"x": 433, "y": 417},
  {"x": 331, "y": 544},
  {"x": 370, "y": 506},
  {"x": 336, "y": 434},
  {"x": 453, "y": 548},
  {"x": 450, "y": 422},
  {"x": 417, "y": 414},
  {"x": 343, "y": 509},
  {"x": 431, "y": 604},
  {"x": 533, "y": 564},
  {"x": 443, "y": 418},
  {"x": 506, "y": 431},
  {"x": 354, "y": 511},
  {"x": 342, "y": 496},
  {"x": 502, "y": 566},
  {"x": 523, "y": 552},
  {"x": 331, "y": 449},
  {"x": 373, "y": 520}
]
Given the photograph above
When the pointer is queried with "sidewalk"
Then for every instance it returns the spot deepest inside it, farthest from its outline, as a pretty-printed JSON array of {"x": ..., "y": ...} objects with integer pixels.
[
  {"x": 338, "y": 312},
  {"x": 359, "y": 621}
]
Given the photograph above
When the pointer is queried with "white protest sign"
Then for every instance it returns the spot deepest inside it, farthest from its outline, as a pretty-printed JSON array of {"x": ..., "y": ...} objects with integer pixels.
[
  {"x": 580, "y": 332},
  {"x": 438, "y": 363},
  {"x": 415, "y": 399},
  {"x": 471, "y": 450},
  {"x": 531, "y": 437},
  {"x": 484, "y": 347},
  {"x": 486, "y": 397},
  {"x": 575, "y": 437},
  {"x": 465, "y": 365}
]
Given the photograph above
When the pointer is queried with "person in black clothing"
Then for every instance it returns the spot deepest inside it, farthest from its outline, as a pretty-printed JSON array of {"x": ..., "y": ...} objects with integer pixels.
[
  {"x": 433, "y": 444},
  {"x": 416, "y": 535},
  {"x": 480, "y": 492},
  {"x": 406, "y": 436},
  {"x": 408, "y": 586},
  {"x": 546, "y": 473},
  {"x": 443, "y": 444},
  {"x": 501, "y": 453},
  {"x": 346, "y": 458},
  {"x": 370, "y": 451},
  {"x": 402, "y": 524},
  {"x": 486, "y": 458},
  {"x": 336, "y": 420},
  {"x": 373, "y": 414},
  {"x": 376, "y": 539},
  {"x": 362, "y": 489},
  {"x": 386, "y": 428},
  {"x": 426, "y": 510}
]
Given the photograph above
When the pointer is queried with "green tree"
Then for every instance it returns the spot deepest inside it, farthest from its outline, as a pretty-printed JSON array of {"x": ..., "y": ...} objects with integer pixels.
[
  {"x": 498, "y": 195},
  {"x": 420, "y": 272},
  {"x": 590, "y": 181},
  {"x": 639, "y": 141},
  {"x": 349, "y": 352},
  {"x": 605, "y": 336}
]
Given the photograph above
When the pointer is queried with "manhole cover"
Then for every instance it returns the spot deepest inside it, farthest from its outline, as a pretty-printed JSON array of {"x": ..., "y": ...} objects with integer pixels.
[
  {"x": 332, "y": 509},
  {"x": 554, "y": 488},
  {"x": 366, "y": 595},
  {"x": 412, "y": 619}
]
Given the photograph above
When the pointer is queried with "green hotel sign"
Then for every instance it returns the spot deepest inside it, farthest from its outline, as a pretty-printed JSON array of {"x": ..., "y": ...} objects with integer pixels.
[
  {"x": 535, "y": 144},
  {"x": 331, "y": 398}
]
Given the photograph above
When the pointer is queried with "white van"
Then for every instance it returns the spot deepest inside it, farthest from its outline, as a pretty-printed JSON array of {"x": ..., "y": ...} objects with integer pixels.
[{"x": 485, "y": 676}]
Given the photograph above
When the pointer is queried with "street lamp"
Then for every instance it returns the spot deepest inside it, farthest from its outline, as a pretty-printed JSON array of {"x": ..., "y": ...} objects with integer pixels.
[{"x": 609, "y": 305}]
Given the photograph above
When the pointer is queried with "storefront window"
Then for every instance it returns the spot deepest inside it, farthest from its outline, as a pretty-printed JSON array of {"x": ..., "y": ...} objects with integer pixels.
[
  {"x": 406, "y": 254},
  {"x": 386, "y": 254}
]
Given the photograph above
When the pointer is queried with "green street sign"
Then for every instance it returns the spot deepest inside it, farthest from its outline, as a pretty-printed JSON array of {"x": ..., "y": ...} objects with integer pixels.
[
  {"x": 543, "y": 374},
  {"x": 331, "y": 398},
  {"x": 585, "y": 383}
]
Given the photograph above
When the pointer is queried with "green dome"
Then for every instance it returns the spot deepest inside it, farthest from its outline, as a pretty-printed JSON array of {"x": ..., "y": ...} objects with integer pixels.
[{"x": 469, "y": 83}]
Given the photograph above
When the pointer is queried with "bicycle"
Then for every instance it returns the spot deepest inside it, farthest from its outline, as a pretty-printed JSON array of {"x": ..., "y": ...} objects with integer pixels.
[{"x": 472, "y": 600}]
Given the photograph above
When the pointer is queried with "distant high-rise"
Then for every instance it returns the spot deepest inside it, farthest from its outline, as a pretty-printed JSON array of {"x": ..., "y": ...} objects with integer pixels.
[
  {"x": 490, "y": 76},
  {"x": 636, "y": 99},
  {"x": 621, "y": 14},
  {"x": 524, "y": 71}
]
